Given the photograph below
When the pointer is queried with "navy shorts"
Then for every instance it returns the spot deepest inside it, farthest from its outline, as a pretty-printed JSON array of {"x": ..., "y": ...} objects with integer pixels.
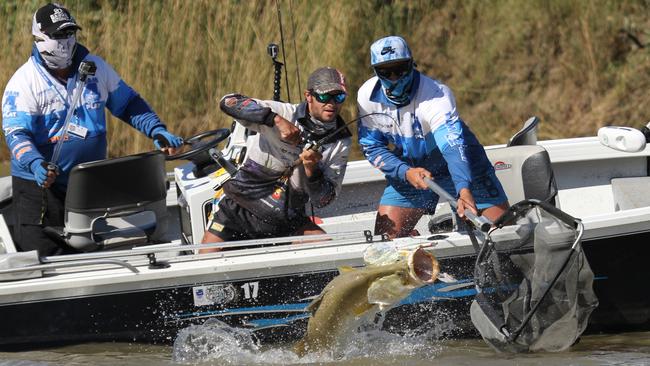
[
  {"x": 230, "y": 221},
  {"x": 487, "y": 192}
]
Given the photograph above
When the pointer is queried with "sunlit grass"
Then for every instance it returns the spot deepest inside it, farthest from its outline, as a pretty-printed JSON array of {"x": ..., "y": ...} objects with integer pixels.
[{"x": 571, "y": 63}]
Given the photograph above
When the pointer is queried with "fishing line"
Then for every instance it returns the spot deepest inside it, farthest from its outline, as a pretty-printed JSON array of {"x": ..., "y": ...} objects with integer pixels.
[{"x": 284, "y": 59}]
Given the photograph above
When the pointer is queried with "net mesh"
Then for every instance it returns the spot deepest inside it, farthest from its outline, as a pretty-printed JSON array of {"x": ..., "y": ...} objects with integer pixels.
[{"x": 536, "y": 294}]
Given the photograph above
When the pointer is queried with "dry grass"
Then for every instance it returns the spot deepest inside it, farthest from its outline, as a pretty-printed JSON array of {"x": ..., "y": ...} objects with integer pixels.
[{"x": 572, "y": 63}]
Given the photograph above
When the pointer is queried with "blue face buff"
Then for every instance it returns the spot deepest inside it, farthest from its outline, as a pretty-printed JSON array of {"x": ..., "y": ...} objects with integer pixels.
[{"x": 397, "y": 91}]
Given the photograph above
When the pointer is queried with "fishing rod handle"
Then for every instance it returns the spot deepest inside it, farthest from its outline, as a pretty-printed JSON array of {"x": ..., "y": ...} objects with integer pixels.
[
  {"x": 86, "y": 68},
  {"x": 480, "y": 222}
]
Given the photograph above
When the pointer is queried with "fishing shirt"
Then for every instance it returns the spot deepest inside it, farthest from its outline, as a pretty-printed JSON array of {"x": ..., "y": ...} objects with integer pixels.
[
  {"x": 427, "y": 132},
  {"x": 34, "y": 108},
  {"x": 268, "y": 157}
]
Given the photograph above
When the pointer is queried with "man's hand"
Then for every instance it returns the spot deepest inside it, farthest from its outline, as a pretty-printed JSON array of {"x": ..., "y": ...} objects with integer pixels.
[
  {"x": 44, "y": 177},
  {"x": 416, "y": 176},
  {"x": 289, "y": 133},
  {"x": 466, "y": 202},
  {"x": 310, "y": 159},
  {"x": 166, "y": 141}
]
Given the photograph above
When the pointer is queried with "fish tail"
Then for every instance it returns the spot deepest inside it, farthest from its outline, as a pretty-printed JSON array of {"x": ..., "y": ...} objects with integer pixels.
[{"x": 300, "y": 348}]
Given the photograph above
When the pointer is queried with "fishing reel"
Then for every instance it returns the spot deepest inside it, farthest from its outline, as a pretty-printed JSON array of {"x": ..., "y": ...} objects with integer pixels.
[{"x": 309, "y": 141}]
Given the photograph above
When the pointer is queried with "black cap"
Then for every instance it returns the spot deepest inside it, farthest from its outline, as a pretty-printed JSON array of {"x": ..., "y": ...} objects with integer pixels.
[
  {"x": 54, "y": 17},
  {"x": 325, "y": 80}
]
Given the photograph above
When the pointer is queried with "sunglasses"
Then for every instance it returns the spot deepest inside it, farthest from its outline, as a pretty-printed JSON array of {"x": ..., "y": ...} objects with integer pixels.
[
  {"x": 325, "y": 98},
  {"x": 398, "y": 70},
  {"x": 63, "y": 34}
]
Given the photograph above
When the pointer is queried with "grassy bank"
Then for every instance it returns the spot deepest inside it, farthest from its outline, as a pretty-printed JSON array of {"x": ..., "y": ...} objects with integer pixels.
[{"x": 575, "y": 64}]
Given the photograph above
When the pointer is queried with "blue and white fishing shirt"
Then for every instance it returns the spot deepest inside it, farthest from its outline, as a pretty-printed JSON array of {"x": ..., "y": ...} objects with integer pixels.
[
  {"x": 427, "y": 133},
  {"x": 34, "y": 107}
]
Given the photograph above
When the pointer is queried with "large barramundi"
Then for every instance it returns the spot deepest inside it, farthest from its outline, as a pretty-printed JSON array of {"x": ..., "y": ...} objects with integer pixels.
[{"x": 354, "y": 292}]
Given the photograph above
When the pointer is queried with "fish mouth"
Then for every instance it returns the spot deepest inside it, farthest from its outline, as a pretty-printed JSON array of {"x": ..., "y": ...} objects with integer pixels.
[{"x": 423, "y": 266}]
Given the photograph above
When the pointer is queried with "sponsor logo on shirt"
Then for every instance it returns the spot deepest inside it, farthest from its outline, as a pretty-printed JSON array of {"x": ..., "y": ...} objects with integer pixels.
[
  {"x": 9, "y": 130},
  {"x": 91, "y": 95},
  {"x": 216, "y": 227},
  {"x": 9, "y": 109}
]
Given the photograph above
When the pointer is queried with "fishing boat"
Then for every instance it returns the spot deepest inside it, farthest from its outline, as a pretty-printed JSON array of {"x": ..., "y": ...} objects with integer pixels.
[{"x": 138, "y": 276}]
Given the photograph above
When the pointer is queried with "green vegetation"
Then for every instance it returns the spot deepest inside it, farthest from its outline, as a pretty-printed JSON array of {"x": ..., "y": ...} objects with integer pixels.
[{"x": 574, "y": 63}]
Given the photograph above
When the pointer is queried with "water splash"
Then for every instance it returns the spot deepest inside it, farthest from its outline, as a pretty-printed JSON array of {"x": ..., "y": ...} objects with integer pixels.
[{"x": 217, "y": 343}]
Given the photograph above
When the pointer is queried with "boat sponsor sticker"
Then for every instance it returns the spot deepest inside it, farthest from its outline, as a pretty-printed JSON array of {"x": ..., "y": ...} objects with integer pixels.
[
  {"x": 500, "y": 165},
  {"x": 213, "y": 294}
]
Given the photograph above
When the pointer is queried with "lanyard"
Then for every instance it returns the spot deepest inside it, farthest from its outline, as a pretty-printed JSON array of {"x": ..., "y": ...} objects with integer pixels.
[{"x": 69, "y": 85}]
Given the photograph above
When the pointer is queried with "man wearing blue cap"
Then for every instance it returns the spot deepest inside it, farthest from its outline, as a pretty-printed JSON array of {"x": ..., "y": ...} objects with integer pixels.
[
  {"x": 429, "y": 140},
  {"x": 35, "y": 105}
]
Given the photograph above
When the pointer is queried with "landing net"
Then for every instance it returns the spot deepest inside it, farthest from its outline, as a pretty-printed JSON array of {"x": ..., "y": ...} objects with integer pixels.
[{"x": 534, "y": 293}]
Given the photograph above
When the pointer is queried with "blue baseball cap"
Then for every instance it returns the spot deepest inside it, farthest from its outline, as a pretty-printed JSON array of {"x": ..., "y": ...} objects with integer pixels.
[{"x": 389, "y": 49}]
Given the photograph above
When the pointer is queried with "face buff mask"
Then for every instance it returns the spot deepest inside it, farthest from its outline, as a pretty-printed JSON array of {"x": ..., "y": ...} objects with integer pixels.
[
  {"x": 398, "y": 91},
  {"x": 320, "y": 128},
  {"x": 57, "y": 53}
]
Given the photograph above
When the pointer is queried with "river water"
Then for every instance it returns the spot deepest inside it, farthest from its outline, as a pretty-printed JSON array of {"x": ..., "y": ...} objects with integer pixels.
[{"x": 630, "y": 349}]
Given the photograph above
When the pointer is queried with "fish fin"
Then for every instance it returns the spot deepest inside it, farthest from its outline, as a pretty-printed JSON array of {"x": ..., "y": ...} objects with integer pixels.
[
  {"x": 315, "y": 303},
  {"x": 362, "y": 308},
  {"x": 446, "y": 277},
  {"x": 389, "y": 290},
  {"x": 345, "y": 269}
]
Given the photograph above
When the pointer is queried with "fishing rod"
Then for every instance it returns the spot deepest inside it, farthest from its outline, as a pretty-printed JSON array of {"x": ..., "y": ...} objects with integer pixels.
[
  {"x": 284, "y": 58},
  {"x": 295, "y": 47},
  {"x": 86, "y": 68}
]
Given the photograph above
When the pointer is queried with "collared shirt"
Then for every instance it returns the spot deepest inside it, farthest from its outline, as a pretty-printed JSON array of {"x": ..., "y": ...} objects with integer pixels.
[
  {"x": 35, "y": 105},
  {"x": 427, "y": 132},
  {"x": 268, "y": 157}
]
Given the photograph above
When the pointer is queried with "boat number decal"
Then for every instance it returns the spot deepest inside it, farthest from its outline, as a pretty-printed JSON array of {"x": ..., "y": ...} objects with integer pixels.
[
  {"x": 213, "y": 294},
  {"x": 250, "y": 290}
]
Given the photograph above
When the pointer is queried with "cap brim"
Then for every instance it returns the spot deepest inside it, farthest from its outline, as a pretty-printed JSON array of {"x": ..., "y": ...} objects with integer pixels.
[
  {"x": 328, "y": 88},
  {"x": 393, "y": 61},
  {"x": 57, "y": 27}
]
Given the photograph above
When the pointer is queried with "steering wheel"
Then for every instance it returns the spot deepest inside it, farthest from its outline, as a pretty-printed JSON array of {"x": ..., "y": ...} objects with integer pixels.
[{"x": 198, "y": 145}]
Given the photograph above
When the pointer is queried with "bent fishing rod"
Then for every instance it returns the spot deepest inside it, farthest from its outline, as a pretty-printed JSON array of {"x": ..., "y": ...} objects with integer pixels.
[{"x": 316, "y": 145}]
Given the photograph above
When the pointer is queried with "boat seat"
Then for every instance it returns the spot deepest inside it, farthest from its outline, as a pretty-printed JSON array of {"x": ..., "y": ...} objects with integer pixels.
[
  {"x": 524, "y": 172},
  {"x": 114, "y": 203},
  {"x": 631, "y": 192},
  {"x": 527, "y": 135}
]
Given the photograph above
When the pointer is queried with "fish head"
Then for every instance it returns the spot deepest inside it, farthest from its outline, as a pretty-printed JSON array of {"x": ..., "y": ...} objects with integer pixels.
[{"x": 423, "y": 267}]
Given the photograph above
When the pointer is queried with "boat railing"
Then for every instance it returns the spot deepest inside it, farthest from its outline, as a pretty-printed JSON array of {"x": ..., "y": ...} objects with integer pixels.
[
  {"x": 129, "y": 259},
  {"x": 261, "y": 246},
  {"x": 78, "y": 263}
]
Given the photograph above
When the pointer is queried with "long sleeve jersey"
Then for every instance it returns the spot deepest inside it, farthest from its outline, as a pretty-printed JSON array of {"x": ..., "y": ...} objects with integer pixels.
[
  {"x": 269, "y": 157},
  {"x": 34, "y": 108},
  {"x": 427, "y": 132}
]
